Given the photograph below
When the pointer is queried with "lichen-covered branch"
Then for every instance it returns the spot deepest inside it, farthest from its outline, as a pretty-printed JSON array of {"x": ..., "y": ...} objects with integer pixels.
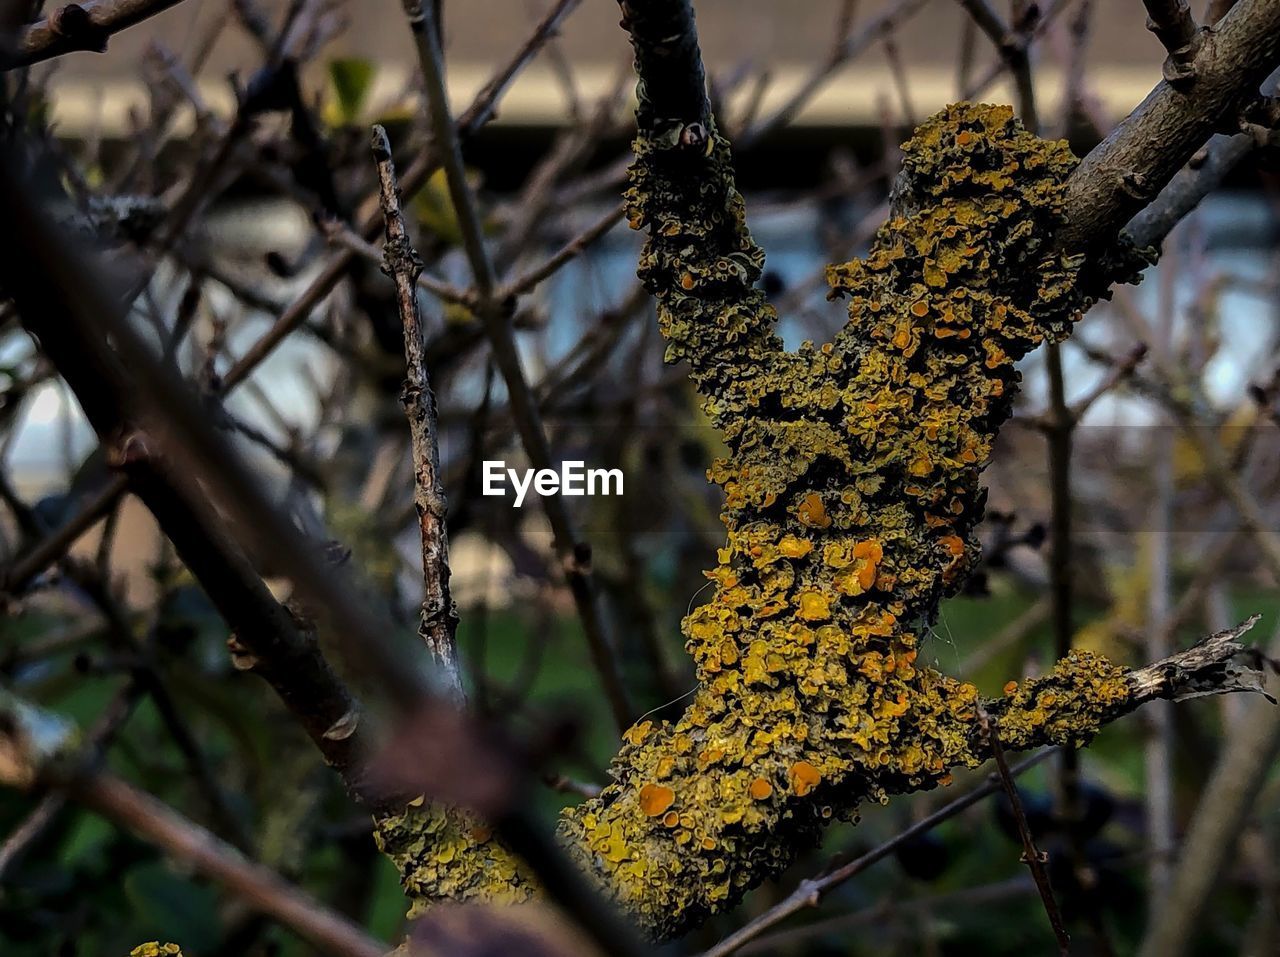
[{"x": 851, "y": 496}]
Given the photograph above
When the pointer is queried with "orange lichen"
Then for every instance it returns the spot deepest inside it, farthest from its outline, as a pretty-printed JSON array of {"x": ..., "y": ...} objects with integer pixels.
[
  {"x": 804, "y": 777},
  {"x": 812, "y": 512},
  {"x": 870, "y": 446},
  {"x": 655, "y": 799},
  {"x": 792, "y": 547}
]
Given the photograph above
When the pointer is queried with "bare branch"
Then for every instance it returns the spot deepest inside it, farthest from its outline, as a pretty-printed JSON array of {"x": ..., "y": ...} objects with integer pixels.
[
  {"x": 411, "y": 180},
  {"x": 1013, "y": 48},
  {"x": 1032, "y": 856},
  {"x": 1213, "y": 665},
  {"x": 573, "y": 554},
  {"x": 125, "y": 805},
  {"x": 1126, "y": 171},
  {"x": 850, "y": 46},
  {"x": 439, "y": 616},
  {"x": 81, "y": 26},
  {"x": 444, "y": 134},
  {"x": 1174, "y": 26},
  {"x": 54, "y": 545},
  {"x": 810, "y": 892}
]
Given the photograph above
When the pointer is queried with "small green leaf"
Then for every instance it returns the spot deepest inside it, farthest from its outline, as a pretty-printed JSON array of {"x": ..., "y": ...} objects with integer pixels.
[
  {"x": 434, "y": 208},
  {"x": 352, "y": 79}
]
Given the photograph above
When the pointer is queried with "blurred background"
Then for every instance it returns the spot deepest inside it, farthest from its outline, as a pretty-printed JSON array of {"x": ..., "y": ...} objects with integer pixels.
[{"x": 1171, "y": 393}]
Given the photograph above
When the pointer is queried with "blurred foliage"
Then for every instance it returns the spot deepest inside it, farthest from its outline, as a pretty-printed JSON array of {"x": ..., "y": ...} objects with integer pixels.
[{"x": 88, "y": 889}]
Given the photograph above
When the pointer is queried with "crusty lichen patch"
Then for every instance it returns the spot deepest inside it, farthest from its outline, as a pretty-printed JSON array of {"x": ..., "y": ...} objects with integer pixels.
[
  {"x": 851, "y": 494},
  {"x": 445, "y": 854}
]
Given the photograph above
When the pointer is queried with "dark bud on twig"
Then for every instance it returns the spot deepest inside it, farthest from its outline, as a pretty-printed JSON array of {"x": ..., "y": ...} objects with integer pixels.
[
  {"x": 129, "y": 448},
  {"x": 74, "y": 24},
  {"x": 693, "y": 136}
]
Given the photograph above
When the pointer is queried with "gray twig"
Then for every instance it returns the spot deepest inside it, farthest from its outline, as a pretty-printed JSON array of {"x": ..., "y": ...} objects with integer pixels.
[
  {"x": 401, "y": 262},
  {"x": 1033, "y": 857}
]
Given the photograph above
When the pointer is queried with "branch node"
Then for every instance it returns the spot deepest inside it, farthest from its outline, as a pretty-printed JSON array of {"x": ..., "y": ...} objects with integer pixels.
[{"x": 74, "y": 24}]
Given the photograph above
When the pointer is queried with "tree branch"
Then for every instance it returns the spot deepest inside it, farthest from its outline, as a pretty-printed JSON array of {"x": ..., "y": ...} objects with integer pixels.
[
  {"x": 39, "y": 748},
  {"x": 811, "y": 891},
  {"x": 401, "y": 263},
  {"x": 1174, "y": 26},
  {"x": 81, "y": 26},
  {"x": 1032, "y": 856},
  {"x": 264, "y": 890},
  {"x": 573, "y": 554},
  {"x": 809, "y": 700},
  {"x": 1126, "y": 171}
]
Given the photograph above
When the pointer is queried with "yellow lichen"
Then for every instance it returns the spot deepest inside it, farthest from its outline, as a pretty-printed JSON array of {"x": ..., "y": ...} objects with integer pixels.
[
  {"x": 851, "y": 494},
  {"x": 858, "y": 461}
]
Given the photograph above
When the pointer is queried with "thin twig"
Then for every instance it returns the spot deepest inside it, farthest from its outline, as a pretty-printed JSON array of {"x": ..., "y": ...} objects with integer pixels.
[
  {"x": 82, "y": 26},
  {"x": 926, "y": 908},
  {"x": 424, "y": 28},
  {"x": 412, "y": 178},
  {"x": 439, "y": 615},
  {"x": 1034, "y": 858},
  {"x": 98, "y": 740},
  {"x": 850, "y": 46},
  {"x": 56, "y": 544},
  {"x": 343, "y": 235},
  {"x": 569, "y": 251},
  {"x": 156, "y": 822},
  {"x": 1159, "y": 745},
  {"x": 1060, "y": 440},
  {"x": 573, "y": 554},
  {"x": 32, "y": 828},
  {"x": 811, "y": 891},
  {"x": 1013, "y": 45}
]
